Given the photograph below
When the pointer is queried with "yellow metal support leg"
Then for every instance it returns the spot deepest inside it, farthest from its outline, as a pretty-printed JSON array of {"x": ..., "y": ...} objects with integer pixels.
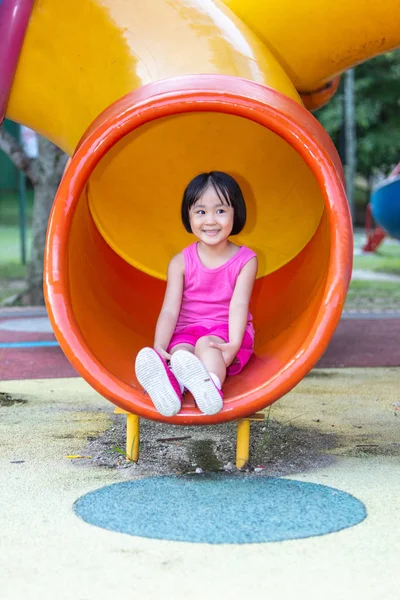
[
  {"x": 243, "y": 439},
  {"x": 132, "y": 434},
  {"x": 132, "y": 437},
  {"x": 243, "y": 443}
]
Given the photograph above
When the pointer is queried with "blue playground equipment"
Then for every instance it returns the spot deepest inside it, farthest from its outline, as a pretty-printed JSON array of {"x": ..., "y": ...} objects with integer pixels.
[{"x": 385, "y": 206}]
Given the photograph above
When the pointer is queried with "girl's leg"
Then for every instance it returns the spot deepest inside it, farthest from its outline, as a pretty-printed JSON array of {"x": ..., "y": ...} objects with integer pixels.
[
  {"x": 191, "y": 372},
  {"x": 158, "y": 381},
  {"x": 186, "y": 348},
  {"x": 211, "y": 358}
]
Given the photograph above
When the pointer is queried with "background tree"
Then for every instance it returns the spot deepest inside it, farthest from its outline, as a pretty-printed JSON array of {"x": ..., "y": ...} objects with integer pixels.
[
  {"x": 45, "y": 173},
  {"x": 377, "y": 95}
]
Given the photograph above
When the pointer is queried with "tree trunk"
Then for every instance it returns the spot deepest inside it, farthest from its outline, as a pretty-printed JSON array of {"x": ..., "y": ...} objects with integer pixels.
[
  {"x": 350, "y": 137},
  {"x": 43, "y": 200},
  {"x": 15, "y": 152},
  {"x": 51, "y": 163}
]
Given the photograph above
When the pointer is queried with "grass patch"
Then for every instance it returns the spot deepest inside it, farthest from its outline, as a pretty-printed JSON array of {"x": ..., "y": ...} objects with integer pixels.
[
  {"x": 9, "y": 208},
  {"x": 373, "y": 296},
  {"x": 10, "y": 292},
  {"x": 10, "y": 246},
  {"x": 13, "y": 270},
  {"x": 385, "y": 260},
  {"x": 375, "y": 288},
  {"x": 11, "y": 267}
]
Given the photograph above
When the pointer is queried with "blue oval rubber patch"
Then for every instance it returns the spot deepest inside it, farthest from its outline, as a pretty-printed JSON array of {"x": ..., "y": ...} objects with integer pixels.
[{"x": 220, "y": 509}]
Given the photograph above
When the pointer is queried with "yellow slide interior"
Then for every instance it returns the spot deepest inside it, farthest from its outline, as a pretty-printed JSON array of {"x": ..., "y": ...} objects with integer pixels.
[{"x": 136, "y": 190}]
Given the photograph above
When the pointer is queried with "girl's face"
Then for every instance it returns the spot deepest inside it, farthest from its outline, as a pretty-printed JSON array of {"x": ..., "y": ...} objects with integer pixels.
[{"x": 211, "y": 219}]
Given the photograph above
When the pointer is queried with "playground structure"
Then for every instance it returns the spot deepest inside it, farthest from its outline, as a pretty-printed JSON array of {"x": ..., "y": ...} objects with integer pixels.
[
  {"x": 385, "y": 206},
  {"x": 143, "y": 97},
  {"x": 384, "y": 209}
]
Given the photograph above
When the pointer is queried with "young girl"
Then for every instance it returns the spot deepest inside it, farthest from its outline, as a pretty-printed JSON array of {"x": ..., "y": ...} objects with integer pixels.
[{"x": 204, "y": 330}]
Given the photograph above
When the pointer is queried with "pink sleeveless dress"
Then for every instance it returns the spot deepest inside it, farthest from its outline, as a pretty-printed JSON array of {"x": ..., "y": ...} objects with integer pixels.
[{"x": 205, "y": 303}]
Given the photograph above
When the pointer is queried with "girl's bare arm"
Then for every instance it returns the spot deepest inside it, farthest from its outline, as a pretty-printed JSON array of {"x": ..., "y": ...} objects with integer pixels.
[
  {"x": 239, "y": 305},
  {"x": 169, "y": 313}
]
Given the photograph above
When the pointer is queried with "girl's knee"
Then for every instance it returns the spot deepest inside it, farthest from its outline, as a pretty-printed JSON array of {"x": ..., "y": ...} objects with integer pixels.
[{"x": 203, "y": 343}]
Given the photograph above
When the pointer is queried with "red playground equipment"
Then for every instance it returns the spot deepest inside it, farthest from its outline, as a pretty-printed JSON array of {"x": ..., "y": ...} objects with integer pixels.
[{"x": 375, "y": 234}]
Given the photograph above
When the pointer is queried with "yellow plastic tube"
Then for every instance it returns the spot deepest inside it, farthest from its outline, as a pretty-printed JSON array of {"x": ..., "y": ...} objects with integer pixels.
[
  {"x": 315, "y": 40},
  {"x": 80, "y": 56}
]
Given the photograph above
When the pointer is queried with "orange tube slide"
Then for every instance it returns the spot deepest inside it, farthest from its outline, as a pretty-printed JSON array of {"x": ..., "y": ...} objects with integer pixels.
[{"x": 105, "y": 263}]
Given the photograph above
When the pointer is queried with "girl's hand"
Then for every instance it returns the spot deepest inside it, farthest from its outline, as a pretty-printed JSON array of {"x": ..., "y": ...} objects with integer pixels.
[
  {"x": 163, "y": 353},
  {"x": 229, "y": 351}
]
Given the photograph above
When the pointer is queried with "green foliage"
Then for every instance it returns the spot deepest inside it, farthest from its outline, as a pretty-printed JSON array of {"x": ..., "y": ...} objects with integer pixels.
[{"x": 377, "y": 114}]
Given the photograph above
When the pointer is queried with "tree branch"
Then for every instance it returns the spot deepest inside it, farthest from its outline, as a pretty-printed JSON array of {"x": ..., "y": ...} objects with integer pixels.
[{"x": 16, "y": 154}]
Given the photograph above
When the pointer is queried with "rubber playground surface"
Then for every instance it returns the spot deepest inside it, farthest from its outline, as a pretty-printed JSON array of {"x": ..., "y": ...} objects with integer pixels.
[{"x": 75, "y": 530}]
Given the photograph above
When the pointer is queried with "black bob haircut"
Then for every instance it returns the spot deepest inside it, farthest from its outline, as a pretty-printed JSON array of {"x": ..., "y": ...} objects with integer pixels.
[{"x": 228, "y": 191}]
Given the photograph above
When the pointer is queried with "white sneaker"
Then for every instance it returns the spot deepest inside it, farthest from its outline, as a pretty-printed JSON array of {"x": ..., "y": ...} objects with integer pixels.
[
  {"x": 191, "y": 372},
  {"x": 159, "y": 382}
]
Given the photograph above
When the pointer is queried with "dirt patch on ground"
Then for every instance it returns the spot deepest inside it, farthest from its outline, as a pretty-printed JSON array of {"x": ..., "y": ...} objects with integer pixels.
[
  {"x": 8, "y": 400},
  {"x": 276, "y": 449},
  {"x": 332, "y": 412}
]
